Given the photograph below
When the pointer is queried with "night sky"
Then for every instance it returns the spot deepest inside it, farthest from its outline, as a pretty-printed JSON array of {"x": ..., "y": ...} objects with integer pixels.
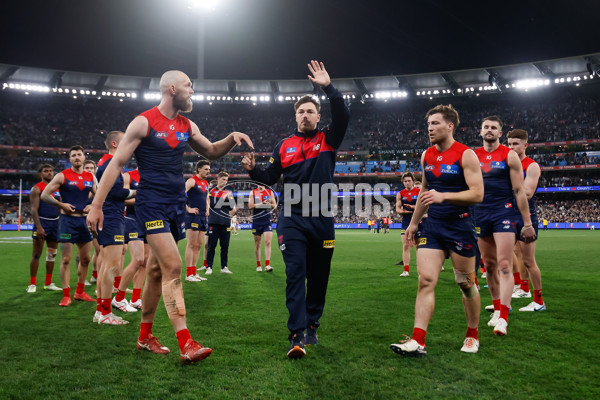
[{"x": 274, "y": 39}]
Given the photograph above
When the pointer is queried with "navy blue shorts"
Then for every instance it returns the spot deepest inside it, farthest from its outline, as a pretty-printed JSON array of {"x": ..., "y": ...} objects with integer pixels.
[
  {"x": 132, "y": 232},
  {"x": 50, "y": 227},
  {"x": 405, "y": 222},
  {"x": 196, "y": 222},
  {"x": 534, "y": 221},
  {"x": 113, "y": 232},
  {"x": 452, "y": 234},
  {"x": 261, "y": 227},
  {"x": 160, "y": 218},
  {"x": 73, "y": 230},
  {"x": 490, "y": 221}
]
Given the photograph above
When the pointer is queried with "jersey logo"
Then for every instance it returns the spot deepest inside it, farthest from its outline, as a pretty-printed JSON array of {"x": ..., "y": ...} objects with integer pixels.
[
  {"x": 449, "y": 169},
  {"x": 328, "y": 244},
  {"x": 88, "y": 184},
  {"x": 271, "y": 160},
  {"x": 439, "y": 158},
  {"x": 316, "y": 147},
  {"x": 66, "y": 236},
  {"x": 133, "y": 235},
  {"x": 161, "y": 135},
  {"x": 422, "y": 241},
  {"x": 150, "y": 225},
  {"x": 194, "y": 225},
  {"x": 172, "y": 127},
  {"x": 182, "y": 136},
  {"x": 290, "y": 150},
  {"x": 119, "y": 238}
]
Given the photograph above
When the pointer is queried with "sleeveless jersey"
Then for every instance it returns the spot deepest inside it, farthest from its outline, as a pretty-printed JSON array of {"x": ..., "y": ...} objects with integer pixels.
[
  {"x": 46, "y": 210},
  {"x": 444, "y": 173},
  {"x": 160, "y": 159},
  {"x": 196, "y": 196},
  {"x": 219, "y": 207},
  {"x": 76, "y": 188},
  {"x": 525, "y": 163},
  {"x": 133, "y": 184},
  {"x": 115, "y": 199},
  {"x": 261, "y": 213},
  {"x": 408, "y": 197},
  {"x": 498, "y": 191}
]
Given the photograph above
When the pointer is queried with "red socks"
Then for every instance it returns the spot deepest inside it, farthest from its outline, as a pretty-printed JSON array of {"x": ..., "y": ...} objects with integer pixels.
[
  {"x": 67, "y": 292},
  {"x": 496, "y": 304},
  {"x": 145, "y": 330},
  {"x": 120, "y": 295},
  {"x": 267, "y": 263},
  {"x": 504, "y": 312},
  {"x": 406, "y": 268},
  {"x": 525, "y": 285},
  {"x": 80, "y": 287},
  {"x": 117, "y": 281},
  {"x": 191, "y": 270},
  {"x": 204, "y": 264},
  {"x": 537, "y": 296},
  {"x": 258, "y": 264},
  {"x": 105, "y": 306},
  {"x": 137, "y": 293},
  {"x": 182, "y": 337},
  {"x": 95, "y": 274},
  {"x": 419, "y": 335},
  {"x": 472, "y": 332},
  {"x": 48, "y": 279},
  {"x": 517, "y": 278},
  {"x": 32, "y": 280}
]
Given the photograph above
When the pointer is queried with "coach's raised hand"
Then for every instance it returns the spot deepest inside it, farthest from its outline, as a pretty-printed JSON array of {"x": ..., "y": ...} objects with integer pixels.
[{"x": 319, "y": 73}]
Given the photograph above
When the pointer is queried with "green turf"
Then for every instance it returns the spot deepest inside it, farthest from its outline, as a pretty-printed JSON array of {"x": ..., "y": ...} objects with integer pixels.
[{"x": 51, "y": 352}]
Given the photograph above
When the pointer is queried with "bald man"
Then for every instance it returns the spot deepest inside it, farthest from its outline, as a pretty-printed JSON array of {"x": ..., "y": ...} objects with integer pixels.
[{"x": 159, "y": 137}]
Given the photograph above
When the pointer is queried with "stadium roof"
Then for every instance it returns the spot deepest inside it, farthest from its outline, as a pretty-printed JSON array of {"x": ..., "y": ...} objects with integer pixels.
[{"x": 526, "y": 76}]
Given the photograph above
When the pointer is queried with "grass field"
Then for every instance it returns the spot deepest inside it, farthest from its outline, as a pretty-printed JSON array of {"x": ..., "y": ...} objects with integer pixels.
[{"x": 49, "y": 352}]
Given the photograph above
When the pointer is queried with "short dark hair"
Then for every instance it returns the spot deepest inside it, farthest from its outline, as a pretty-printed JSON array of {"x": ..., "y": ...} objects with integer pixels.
[
  {"x": 448, "y": 112},
  {"x": 201, "y": 164},
  {"x": 307, "y": 98},
  {"x": 110, "y": 137},
  {"x": 222, "y": 174},
  {"x": 518, "y": 134},
  {"x": 44, "y": 166},
  {"x": 408, "y": 175},
  {"x": 77, "y": 147},
  {"x": 493, "y": 118}
]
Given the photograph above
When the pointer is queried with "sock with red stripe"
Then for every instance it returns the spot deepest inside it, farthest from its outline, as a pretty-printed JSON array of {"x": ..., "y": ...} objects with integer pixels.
[
  {"x": 117, "y": 281},
  {"x": 48, "y": 279},
  {"x": 257, "y": 263},
  {"x": 120, "y": 295},
  {"x": 496, "y": 304},
  {"x": 32, "y": 280},
  {"x": 145, "y": 330},
  {"x": 182, "y": 337},
  {"x": 504, "y": 312},
  {"x": 525, "y": 285},
  {"x": 137, "y": 293},
  {"x": 472, "y": 332},
  {"x": 419, "y": 336},
  {"x": 537, "y": 296},
  {"x": 516, "y": 278},
  {"x": 80, "y": 287},
  {"x": 406, "y": 268}
]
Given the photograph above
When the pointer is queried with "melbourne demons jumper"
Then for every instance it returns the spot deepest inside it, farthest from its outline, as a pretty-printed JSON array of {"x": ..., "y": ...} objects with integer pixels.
[
  {"x": 261, "y": 214},
  {"x": 496, "y": 213},
  {"x": 75, "y": 190},
  {"x": 307, "y": 242},
  {"x": 219, "y": 222},
  {"x": 48, "y": 215},
  {"x": 408, "y": 197},
  {"x": 113, "y": 232},
  {"x": 160, "y": 200},
  {"x": 449, "y": 227},
  {"x": 196, "y": 198},
  {"x": 132, "y": 232},
  {"x": 526, "y": 163}
]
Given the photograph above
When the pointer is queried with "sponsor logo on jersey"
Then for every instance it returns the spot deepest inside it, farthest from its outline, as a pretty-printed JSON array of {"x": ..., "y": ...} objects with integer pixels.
[
  {"x": 159, "y": 223},
  {"x": 65, "y": 236},
  {"x": 73, "y": 183},
  {"x": 182, "y": 136},
  {"x": 497, "y": 165},
  {"x": 328, "y": 244},
  {"x": 478, "y": 230},
  {"x": 429, "y": 168},
  {"x": 119, "y": 238},
  {"x": 316, "y": 147},
  {"x": 508, "y": 205},
  {"x": 449, "y": 169},
  {"x": 88, "y": 184},
  {"x": 161, "y": 135},
  {"x": 133, "y": 235},
  {"x": 290, "y": 150}
]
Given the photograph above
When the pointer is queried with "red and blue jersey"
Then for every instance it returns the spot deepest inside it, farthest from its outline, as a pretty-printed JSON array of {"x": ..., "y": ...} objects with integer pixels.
[
  {"x": 114, "y": 204},
  {"x": 498, "y": 191},
  {"x": 444, "y": 173},
  {"x": 196, "y": 196},
  {"x": 261, "y": 212},
  {"x": 76, "y": 188},
  {"x": 221, "y": 203},
  {"x": 159, "y": 158},
  {"x": 134, "y": 182},
  {"x": 525, "y": 163},
  {"x": 408, "y": 197},
  {"x": 46, "y": 210},
  {"x": 308, "y": 157}
]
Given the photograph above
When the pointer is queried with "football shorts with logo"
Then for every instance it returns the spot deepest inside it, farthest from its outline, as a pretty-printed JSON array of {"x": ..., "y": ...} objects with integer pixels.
[
  {"x": 50, "y": 227},
  {"x": 73, "y": 230},
  {"x": 260, "y": 228},
  {"x": 196, "y": 222},
  {"x": 155, "y": 218},
  {"x": 449, "y": 234},
  {"x": 132, "y": 230},
  {"x": 113, "y": 232},
  {"x": 494, "y": 220},
  {"x": 534, "y": 221}
]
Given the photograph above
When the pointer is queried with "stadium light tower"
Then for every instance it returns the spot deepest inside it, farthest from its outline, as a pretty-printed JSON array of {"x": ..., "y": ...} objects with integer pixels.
[{"x": 201, "y": 8}]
